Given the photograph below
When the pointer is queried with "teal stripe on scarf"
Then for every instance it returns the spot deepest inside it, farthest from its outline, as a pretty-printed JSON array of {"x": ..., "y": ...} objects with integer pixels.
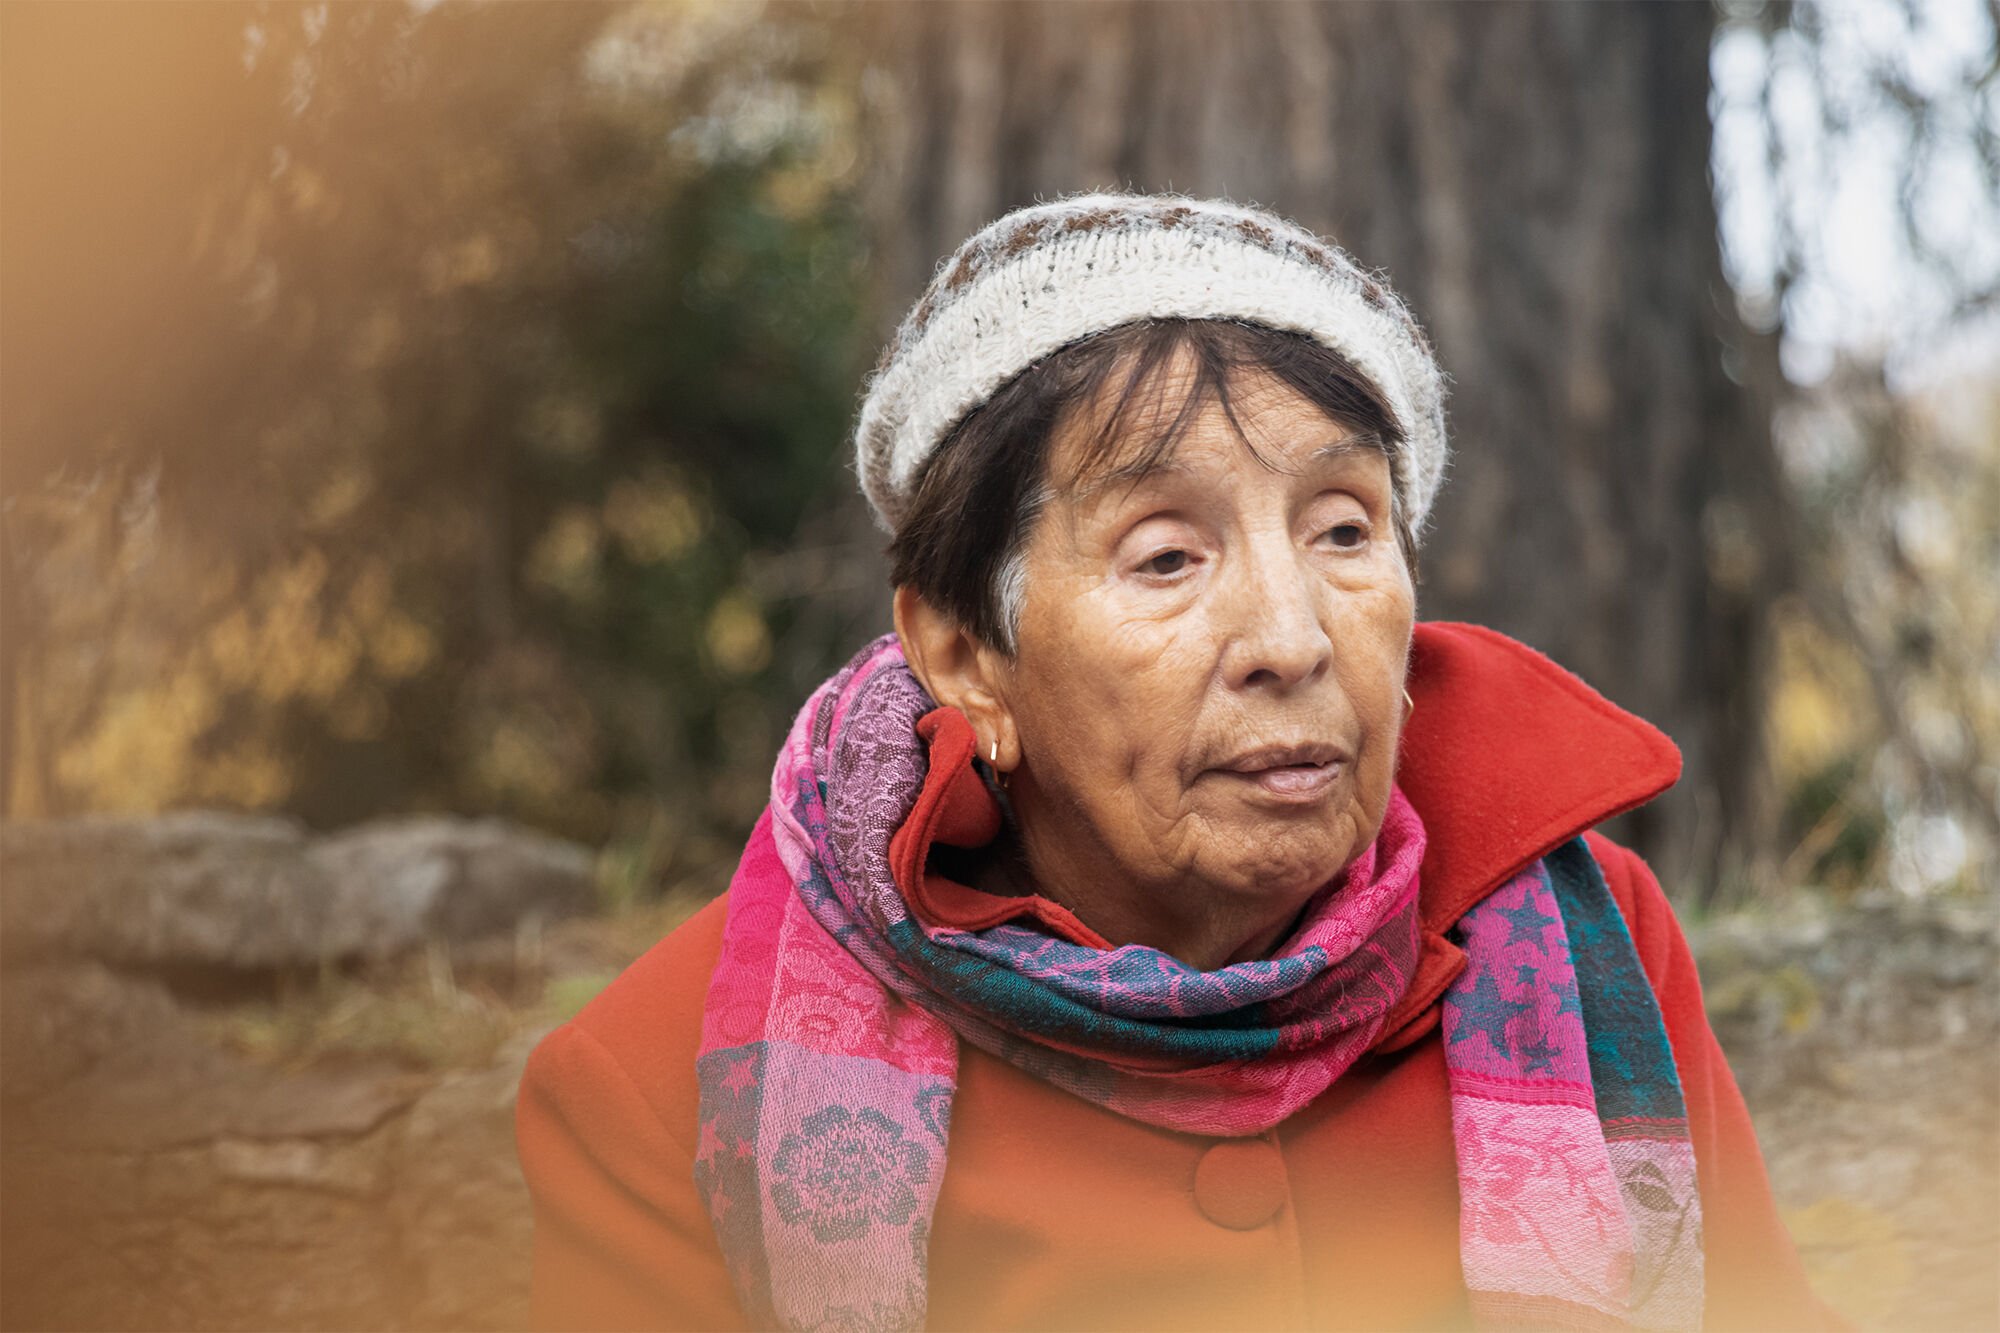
[
  {"x": 1027, "y": 1005},
  {"x": 1631, "y": 1061}
]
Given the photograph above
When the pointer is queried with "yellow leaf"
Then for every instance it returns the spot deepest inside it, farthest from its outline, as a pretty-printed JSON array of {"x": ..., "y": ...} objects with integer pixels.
[{"x": 738, "y": 638}]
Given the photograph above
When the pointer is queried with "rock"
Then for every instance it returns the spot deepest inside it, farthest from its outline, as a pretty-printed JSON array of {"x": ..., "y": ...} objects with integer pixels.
[
  {"x": 403, "y": 880},
  {"x": 185, "y": 1238},
  {"x": 161, "y": 1181},
  {"x": 156, "y": 1176},
  {"x": 191, "y": 888},
  {"x": 460, "y": 1203},
  {"x": 208, "y": 890},
  {"x": 342, "y": 1167},
  {"x": 57, "y": 1023},
  {"x": 177, "y": 1088},
  {"x": 420, "y": 1222}
]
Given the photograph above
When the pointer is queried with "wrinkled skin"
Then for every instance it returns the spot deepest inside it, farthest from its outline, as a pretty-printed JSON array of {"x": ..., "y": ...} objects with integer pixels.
[{"x": 1172, "y": 628}]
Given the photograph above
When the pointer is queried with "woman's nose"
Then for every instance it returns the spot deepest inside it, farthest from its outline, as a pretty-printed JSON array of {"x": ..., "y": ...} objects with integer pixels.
[{"x": 1276, "y": 613}]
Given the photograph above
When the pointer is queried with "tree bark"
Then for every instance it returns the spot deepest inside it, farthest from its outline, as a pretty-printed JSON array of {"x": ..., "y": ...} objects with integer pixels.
[{"x": 1534, "y": 178}]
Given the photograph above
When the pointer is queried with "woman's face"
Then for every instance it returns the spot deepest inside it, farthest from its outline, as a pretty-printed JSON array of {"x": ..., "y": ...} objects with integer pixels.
[{"x": 1207, "y": 689}]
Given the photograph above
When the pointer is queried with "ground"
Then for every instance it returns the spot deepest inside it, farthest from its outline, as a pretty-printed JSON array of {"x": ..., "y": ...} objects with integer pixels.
[{"x": 335, "y": 1150}]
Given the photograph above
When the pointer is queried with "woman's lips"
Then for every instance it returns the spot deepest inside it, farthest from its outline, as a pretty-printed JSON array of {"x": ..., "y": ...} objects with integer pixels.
[
  {"x": 1291, "y": 775},
  {"x": 1293, "y": 784},
  {"x": 1300, "y": 780}
]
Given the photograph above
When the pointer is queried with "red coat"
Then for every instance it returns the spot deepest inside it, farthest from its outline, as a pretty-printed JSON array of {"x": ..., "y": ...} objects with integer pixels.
[{"x": 1056, "y": 1213}]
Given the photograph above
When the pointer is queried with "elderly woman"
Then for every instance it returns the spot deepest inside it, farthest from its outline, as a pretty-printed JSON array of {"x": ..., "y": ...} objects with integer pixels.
[{"x": 1162, "y": 928}]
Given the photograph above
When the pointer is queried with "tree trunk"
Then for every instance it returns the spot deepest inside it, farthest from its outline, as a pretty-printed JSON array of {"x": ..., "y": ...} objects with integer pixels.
[
  {"x": 1534, "y": 177},
  {"x": 11, "y": 625}
]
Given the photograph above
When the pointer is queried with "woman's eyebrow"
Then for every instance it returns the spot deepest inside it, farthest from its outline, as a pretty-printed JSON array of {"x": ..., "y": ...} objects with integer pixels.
[{"x": 1364, "y": 441}]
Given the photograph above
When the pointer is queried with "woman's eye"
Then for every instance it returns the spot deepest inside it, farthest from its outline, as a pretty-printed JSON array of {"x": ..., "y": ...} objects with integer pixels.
[
  {"x": 1347, "y": 535},
  {"x": 1166, "y": 562}
]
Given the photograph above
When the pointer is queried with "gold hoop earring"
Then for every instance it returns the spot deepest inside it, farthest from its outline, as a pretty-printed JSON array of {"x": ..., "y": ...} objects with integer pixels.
[
  {"x": 993, "y": 762},
  {"x": 1412, "y": 703}
]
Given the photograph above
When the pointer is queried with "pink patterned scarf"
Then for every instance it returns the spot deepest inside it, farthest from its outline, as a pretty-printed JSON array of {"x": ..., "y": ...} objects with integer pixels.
[{"x": 829, "y": 1049}]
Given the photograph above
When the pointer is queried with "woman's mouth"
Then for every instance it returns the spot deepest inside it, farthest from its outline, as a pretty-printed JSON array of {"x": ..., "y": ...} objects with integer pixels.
[
  {"x": 1296, "y": 782},
  {"x": 1290, "y": 774}
]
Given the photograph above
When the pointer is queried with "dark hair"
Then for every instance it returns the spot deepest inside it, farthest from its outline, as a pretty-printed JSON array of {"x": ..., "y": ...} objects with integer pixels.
[{"x": 978, "y": 495}]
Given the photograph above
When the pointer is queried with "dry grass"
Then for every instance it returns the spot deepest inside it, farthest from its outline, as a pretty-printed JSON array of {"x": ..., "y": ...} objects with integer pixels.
[{"x": 426, "y": 1013}]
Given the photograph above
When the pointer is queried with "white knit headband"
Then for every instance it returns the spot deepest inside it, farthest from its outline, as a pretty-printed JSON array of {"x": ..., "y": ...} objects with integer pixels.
[{"x": 1044, "y": 277}]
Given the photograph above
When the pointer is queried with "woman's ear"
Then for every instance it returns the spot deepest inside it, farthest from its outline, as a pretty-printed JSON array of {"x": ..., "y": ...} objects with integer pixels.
[{"x": 961, "y": 672}]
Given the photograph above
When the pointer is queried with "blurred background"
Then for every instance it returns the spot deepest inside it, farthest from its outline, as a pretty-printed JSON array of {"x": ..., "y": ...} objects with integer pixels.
[{"x": 424, "y": 499}]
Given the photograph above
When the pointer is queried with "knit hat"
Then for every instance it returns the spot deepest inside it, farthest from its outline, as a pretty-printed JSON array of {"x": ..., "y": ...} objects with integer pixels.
[{"x": 1044, "y": 277}]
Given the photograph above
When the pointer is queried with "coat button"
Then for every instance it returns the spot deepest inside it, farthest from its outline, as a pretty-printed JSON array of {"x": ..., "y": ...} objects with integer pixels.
[{"x": 1241, "y": 1183}]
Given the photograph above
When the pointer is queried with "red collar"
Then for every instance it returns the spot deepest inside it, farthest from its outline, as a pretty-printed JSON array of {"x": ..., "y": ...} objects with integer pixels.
[
  {"x": 1507, "y": 757},
  {"x": 955, "y": 808}
]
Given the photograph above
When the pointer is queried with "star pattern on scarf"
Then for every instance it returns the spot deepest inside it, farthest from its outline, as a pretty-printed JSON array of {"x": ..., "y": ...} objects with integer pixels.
[
  {"x": 710, "y": 1142},
  {"x": 1526, "y": 922},
  {"x": 1541, "y": 1055},
  {"x": 742, "y": 1076},
  {"x": 1484, "y": 1010}
]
